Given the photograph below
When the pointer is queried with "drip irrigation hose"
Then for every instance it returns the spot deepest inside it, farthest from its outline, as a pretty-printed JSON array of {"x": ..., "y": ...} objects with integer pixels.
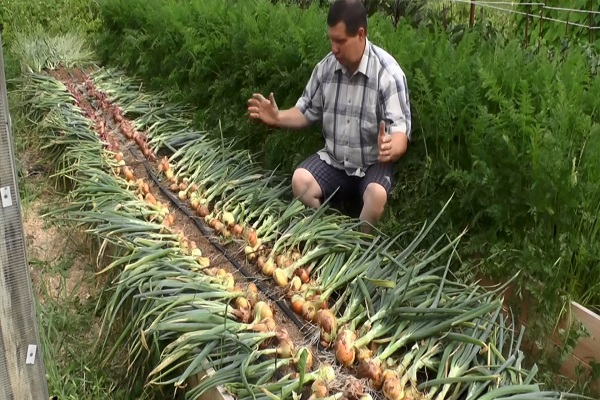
[
  {"x": 278, "y": 374},
  {"x": 175, "y": 200},
  {"x": 197, "y": 221}
]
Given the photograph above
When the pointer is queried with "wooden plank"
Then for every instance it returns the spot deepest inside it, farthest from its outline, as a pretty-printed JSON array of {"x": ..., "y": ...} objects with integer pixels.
[
  {"x": 217, "y": 393},
  {"x": 22, "y": 372},
  {"x": 587, "y": 349}
]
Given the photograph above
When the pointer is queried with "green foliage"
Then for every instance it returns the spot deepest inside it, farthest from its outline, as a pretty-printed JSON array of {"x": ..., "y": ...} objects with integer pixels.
[
  {"x": 417, "y": 11},
  {"x": 513, "y": 134},
  {"x": 556, "y": 33},
  {"x": 216, "y": 56},
  {"x": 51, "y": 17}
]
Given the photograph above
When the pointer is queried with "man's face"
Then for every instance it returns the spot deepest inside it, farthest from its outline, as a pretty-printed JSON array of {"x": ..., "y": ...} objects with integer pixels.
[{"x": 347, "y": 50}]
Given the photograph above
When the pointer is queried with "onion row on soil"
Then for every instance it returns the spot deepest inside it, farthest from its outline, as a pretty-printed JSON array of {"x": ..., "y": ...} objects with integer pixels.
[
  {"x": 395, "y": 324},
  {"x": 170, "y": 309}
]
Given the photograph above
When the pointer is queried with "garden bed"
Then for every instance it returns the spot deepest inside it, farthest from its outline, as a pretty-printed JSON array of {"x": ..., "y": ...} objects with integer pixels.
[
  {"x": 180, "y": 221},
  {"x": 368, "y": 319}
]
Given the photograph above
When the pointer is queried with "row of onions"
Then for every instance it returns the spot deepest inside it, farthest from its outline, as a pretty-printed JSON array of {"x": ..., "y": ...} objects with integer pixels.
[
  {"x": 391, "y": 316},
  {"x": 175, "y": 316}
]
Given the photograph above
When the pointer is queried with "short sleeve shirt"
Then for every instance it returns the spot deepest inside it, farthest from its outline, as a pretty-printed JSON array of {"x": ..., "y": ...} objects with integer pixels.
[{"x": 350, "y": 108}]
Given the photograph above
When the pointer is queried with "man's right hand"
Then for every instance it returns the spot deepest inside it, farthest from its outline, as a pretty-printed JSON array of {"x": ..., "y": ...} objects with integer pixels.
[{"x": 262, "y": 109}]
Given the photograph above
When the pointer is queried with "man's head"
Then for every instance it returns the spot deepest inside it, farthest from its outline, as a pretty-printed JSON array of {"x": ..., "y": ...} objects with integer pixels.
[{"x": 347, "y": 23}]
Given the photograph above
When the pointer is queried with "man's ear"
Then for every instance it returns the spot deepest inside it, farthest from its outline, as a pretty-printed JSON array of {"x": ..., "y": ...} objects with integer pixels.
[{"x": 361, "y": 33}]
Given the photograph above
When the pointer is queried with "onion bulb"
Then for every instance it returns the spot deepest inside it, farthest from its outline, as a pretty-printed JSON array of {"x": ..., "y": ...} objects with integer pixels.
[
  {"x": 269, "y": 267},
  {"x": 391, "y": 386},
  {"x": 280, "y": 260},
  {"x": 285, "y": 347},
  {"x": 295, "y": 284},
  {"x": 280, "y": 277},
  {"x": 203, "y": 210},
  {"x": 411, "y": 393},
  {"x": 128, "y": 173},
  {"x": 328, "y": 324},
  {"x": 252, "y": 294},
  {"x": 260, "y": 262},
  {"x": 261, "y": 311},
  {"x": 364, "y": 354},
  {"x": 344, "y": 347},
  {"x": 270, "y": 323},
  {"x": 150, "y": 198},
  {"x": 319, "y": 390},
  {"x": 309, "y": 311},
  {"x": 368, "y": 368},
  {"x": 260, "y": 327},
  {"x": 252, "y": 238},
  {"x": 203, "y": 261},
  {"x": 237, "y": 230},
  {"x": 169, "y": 220},
  {"x": 302, "y": 273},
  {"x": 229, "y": 280},
  {"x": 297, "y": 303},
  {"x": 228, "y": 219},
  {"x": 296, "y": 255},
  {"x": 216, "y": 224},
  {"x": 308, "y": 361},
  {"x": 242, "y": 302},
  {"x": 250, "y": 254}
]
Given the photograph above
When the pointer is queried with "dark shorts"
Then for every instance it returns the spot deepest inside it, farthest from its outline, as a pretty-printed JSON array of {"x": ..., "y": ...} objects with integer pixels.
[{"x": 351, "y": 188}]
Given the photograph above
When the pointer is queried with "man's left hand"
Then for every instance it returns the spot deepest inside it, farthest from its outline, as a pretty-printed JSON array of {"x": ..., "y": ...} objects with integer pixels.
[
  {"x": 391, "y": 147},
  {"x": 385, "y": 144}
]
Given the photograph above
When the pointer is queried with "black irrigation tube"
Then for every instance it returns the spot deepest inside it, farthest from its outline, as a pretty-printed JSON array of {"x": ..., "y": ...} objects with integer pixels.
[{"x": 177, "y": 202}]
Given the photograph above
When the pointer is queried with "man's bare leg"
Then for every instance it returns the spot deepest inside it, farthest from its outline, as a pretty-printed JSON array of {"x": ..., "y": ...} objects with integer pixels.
[
  {"x": 374, "y": 201},
  {"x": 306, "y": 188}
]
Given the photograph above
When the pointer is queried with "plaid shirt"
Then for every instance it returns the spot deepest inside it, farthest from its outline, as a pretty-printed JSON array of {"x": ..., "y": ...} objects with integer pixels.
[{"x": 351, "y": 107}]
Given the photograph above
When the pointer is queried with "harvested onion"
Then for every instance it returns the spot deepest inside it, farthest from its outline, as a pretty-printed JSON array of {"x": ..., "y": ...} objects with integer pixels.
[{"x": 344, "y": 347}]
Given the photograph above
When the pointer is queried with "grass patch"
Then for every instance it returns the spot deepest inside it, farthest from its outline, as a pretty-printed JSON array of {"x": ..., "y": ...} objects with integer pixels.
[{"x": 67, "y": 293}]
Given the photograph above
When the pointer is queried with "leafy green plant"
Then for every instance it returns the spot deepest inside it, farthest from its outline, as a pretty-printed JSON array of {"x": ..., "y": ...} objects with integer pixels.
[
  {"x": 23, "y": 18},
  {"x": 51, "y": 17}
]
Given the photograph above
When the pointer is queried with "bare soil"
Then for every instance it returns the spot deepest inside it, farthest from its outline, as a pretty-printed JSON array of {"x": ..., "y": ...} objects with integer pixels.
[{"x": 58, "y": 256}]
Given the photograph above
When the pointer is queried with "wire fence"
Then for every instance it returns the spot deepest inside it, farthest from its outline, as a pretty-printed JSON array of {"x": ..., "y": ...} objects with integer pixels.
[{"x": 534, "y": 13}]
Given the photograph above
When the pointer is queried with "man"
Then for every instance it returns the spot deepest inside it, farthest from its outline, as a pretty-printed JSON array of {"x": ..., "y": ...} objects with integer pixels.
[{"x": 359, "y": 94}]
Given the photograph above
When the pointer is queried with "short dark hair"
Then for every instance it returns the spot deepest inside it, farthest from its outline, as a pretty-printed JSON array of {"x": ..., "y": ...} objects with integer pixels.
[{"x": 352, "y": 12}]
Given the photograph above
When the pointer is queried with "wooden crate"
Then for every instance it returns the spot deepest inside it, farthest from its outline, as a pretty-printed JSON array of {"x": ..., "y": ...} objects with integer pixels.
[
  {"x": 578, "y": 364},
  {"x": 218, "y": 393}
]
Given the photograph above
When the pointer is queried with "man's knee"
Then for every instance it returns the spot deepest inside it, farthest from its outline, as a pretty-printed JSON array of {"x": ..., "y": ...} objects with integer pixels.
[
  {"x": 305, "y": 184},
  {"x": 375, "y": 197},
  {"x": 301, "y": 181}
]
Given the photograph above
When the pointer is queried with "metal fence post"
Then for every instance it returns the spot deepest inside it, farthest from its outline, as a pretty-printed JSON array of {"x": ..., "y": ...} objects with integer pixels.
[{"x": 22, "y": 371}]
